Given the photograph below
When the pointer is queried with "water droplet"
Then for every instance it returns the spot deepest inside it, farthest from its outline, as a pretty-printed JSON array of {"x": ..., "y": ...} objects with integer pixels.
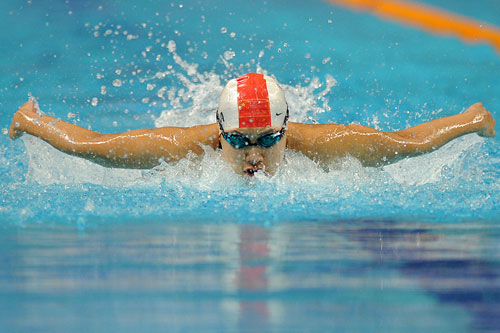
[
  {"x": 117, "y": 83},
  {"x": 95, "y": 101},
  {"x": 171, "y": 46},
  {"x": 228, "y": 55},
  {"x": 223, "y": 30}
]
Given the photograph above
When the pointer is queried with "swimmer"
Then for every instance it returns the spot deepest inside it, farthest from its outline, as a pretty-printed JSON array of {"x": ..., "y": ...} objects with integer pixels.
[{"x": 253, "y": 132}]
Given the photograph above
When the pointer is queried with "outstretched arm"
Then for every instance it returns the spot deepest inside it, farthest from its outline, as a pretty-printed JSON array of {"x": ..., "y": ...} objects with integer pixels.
[
  {"x": 327, "y": 142},
  {"x": 142, "y": 148}
]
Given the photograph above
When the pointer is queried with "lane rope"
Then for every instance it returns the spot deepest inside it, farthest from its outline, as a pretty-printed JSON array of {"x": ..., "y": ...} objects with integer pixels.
[{"x": 428, "y": 18}]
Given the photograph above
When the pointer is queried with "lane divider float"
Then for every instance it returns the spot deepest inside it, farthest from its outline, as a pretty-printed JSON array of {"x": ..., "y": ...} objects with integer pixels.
[{"x": 428, "y": 18}]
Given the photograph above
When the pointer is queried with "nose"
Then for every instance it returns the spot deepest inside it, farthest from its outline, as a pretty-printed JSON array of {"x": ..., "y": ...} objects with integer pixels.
[{"x": 253, "y": 156}]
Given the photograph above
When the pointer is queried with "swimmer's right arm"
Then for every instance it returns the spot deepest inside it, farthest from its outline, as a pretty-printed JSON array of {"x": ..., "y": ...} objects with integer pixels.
[{"x": 142, "y": 149}]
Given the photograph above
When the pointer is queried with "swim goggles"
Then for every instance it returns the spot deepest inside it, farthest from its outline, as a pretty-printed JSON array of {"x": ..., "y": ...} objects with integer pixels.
[{"x": 239, "y": 141}]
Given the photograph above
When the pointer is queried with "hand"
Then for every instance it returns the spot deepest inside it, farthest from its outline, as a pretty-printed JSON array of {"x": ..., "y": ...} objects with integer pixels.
[
  {"x": 25, "y": 112},
  {"x": 483, "y": 117}
]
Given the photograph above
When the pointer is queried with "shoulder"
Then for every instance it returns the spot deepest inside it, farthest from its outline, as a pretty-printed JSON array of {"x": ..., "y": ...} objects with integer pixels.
[
  {"x": 203, "y": 134},
  {"x": 199, "y": 134},
  {"x": 305, "y": 136},
  {"x": 305, "y": 131},
  {"x": 198, "y": 130}
]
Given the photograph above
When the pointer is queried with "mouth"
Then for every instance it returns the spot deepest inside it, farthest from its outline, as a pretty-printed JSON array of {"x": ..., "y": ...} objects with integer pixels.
[{"x": 250, "y": 171}]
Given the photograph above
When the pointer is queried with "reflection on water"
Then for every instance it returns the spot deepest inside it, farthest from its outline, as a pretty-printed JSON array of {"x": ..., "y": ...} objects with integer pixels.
[{"x": 348, "y": 275}]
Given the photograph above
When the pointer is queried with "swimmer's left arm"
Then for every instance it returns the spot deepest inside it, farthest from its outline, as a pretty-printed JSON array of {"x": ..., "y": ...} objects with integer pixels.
[{"x": 330, "y": 141}]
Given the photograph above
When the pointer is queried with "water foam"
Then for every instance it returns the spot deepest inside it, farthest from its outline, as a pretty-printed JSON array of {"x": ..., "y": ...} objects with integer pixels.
[
  {"x": 200, "y": 91},
  {"x": 47, "y": 165},
  {"x": 431, "y": 167},
  {"x": 197, "y": 184}
]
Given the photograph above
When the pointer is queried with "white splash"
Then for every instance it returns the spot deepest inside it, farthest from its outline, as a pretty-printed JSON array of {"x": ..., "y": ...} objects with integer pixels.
[
  {"x": 201, "y": 92},
  {"x": 210, "y": 172},
  {"x": 48, "y": 165},
  {"x": 429, "y": 168}
]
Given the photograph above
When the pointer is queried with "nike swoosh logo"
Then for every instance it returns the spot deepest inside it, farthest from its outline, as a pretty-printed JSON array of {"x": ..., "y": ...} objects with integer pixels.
[{"x": 279, "y": 114}]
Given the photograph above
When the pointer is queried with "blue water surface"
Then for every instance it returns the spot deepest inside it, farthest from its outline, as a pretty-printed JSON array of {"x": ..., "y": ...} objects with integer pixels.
[{"x": 411, "y": 246}]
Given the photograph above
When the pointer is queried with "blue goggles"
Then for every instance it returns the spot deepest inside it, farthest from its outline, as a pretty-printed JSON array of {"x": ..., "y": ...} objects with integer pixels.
[{"x": 239, "y": 141}]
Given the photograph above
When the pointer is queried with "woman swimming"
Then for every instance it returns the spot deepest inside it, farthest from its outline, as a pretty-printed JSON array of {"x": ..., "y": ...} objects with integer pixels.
[{"x": 253, "y": 132}]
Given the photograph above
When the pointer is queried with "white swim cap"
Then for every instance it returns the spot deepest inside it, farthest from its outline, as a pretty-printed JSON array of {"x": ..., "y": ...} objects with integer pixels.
[{"x": 252, "y": 100}]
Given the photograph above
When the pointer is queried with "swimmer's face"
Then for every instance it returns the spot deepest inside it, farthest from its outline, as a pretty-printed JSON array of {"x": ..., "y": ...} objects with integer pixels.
[{"x": 250, "y": 159}]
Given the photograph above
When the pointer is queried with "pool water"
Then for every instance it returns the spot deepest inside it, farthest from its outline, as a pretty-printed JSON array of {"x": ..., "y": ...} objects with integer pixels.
[{"x": 191, "y": 246}]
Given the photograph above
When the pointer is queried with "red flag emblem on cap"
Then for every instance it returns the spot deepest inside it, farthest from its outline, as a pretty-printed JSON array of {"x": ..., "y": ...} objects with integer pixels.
[{"x": 253, "y": 101}]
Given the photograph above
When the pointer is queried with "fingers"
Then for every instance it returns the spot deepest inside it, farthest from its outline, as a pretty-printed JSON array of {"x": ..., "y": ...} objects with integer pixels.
[
  {"x": 489, "y": 125},
  {"x": 14, "y": 131},
  {"x": 27, "y": 109}
]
